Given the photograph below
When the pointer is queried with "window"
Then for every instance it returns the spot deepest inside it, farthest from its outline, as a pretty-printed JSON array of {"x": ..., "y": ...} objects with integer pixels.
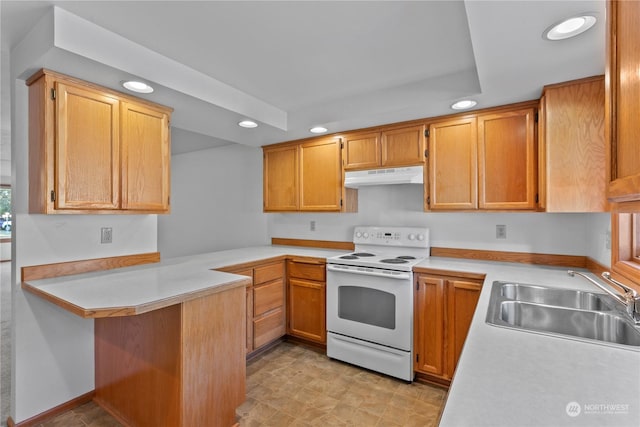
[
  {"x": 625, "y": 232},
  {"x": 5, "y": 213}
]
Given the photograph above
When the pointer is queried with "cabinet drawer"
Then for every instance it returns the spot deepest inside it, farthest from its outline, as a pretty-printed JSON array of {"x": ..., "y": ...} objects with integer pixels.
[
  {"x": 268, "y": 297},
  {"x": 303, "y": 270},
  {"x": 268, "y": 273},
  {"x": 268, "y": 328}
]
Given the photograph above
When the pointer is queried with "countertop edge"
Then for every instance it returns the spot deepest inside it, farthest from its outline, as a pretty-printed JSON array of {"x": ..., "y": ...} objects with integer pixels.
[{"x": 137, "y": 309}]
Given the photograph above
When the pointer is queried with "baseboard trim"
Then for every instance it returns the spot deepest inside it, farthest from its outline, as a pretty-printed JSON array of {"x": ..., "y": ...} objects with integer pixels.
[{"x": 53, "y": 412}]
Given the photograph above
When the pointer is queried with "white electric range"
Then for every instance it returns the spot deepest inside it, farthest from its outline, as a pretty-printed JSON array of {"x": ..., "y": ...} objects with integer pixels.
[{"x": 370, "y": 299}]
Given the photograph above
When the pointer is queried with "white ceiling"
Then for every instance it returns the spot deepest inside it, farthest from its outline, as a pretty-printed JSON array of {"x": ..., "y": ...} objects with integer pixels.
[{"x": 292, "y": 65}]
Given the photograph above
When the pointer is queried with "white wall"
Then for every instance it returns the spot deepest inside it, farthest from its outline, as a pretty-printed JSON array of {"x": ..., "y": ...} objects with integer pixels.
[
  {"x": 599, "y": 238},
  {"x": 570, "y": 234},
  {"x": 216, "y": 202}
]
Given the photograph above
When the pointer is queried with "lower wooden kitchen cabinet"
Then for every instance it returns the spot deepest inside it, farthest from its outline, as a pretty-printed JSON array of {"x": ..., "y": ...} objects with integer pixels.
[
  {"x": 306, "y": 316},
  {"x": 265, "y": 302},
  {"x": 443, "y": 309}
]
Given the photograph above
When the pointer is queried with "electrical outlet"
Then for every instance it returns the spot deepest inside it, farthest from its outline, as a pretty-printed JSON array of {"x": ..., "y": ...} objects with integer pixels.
[
  {"x": 106, "y": 235},
  {"x": 501, "y": 231},
  {"x": 312, "y": 225},
  {"x": 607, "y": 239}
]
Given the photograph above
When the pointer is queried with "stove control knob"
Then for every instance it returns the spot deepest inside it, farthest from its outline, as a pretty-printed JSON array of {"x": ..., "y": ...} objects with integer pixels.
[
  {"x": 420, "y": 236},
  {"x": 365, "y": 235},
  {"x": 412, "y": 236},
  {"x": 358, "y": 234}
]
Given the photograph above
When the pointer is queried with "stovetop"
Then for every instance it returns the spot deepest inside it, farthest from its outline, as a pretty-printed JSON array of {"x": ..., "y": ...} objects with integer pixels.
[{"x": 392, "y": 248}]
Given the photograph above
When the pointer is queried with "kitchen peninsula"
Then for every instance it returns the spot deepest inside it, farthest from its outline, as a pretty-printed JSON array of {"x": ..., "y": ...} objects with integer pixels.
[
  {"x": 169, "y": 346},
  {"x": 169, "y": 335}
]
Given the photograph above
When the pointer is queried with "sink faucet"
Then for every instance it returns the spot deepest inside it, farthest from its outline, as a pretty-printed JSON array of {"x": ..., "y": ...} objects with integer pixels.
[{"x": 630, "y": 298}]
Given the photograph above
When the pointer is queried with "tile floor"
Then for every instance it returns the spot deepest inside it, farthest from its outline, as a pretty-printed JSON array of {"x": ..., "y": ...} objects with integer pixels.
[{"x": 292, "y": 385}]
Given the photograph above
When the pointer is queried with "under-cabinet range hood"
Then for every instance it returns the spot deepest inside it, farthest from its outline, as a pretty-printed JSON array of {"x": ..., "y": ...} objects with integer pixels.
[{"x": 402, "y": 175}]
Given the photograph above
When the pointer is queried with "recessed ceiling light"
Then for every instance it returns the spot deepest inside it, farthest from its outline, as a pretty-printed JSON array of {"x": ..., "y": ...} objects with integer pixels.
[
  {"x": 570, "y": 27},
  {"x": 318, "y": 129},
  {"x": 248, "y": 124},
  {"x": 137, "y": 86},
  {"x": 464, "y": 104}
]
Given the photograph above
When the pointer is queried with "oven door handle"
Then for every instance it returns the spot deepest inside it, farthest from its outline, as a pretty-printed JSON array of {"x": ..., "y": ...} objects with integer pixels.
[{"x": 400, "y": 275}]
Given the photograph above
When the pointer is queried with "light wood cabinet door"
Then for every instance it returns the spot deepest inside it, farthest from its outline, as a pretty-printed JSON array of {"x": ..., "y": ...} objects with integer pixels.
[
  {"x": 507, "y": 160},
  {"x": 623, "y": 100},
  {"x": 462, "y": 299},
  {"x": 403, "y": 147},
  {"x": 429, "y": 325},
  {"x": 145, "y": 158},
  {"x": 87, "y": 149},
  {"x": 280, "y": 179},
  {"x": 572, "y": 147},
  {"x": 453, "y": 163},
  {"x": 361, "y": 151},
  {"x": 307, "y": 310},
  {"x": 320, "y": 176}
]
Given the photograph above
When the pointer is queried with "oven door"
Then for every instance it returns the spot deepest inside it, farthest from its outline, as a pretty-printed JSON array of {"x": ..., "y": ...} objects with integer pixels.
[{"x": 371, "y": 304}]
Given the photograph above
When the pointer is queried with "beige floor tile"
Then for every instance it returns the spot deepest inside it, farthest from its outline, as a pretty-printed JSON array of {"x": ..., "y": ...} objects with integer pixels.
[
  {"x": 365, "y": 419},
  {"x": 279, "y": 419},
  {"x": 294, "y": 386}
]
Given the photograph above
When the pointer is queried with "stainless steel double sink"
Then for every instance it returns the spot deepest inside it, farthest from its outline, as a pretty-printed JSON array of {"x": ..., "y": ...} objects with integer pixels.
[{"x": 566, "y": 313}]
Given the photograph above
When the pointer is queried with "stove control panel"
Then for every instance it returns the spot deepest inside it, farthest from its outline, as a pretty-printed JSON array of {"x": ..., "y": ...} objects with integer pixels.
[{"x": 417, "y": 237}]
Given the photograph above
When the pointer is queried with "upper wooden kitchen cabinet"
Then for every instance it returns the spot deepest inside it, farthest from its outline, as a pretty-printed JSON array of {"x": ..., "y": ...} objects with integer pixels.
[
  {"x": 306, "y": 176},
  {"x": 280, "y": 181},
  {"x": 93, "y": 150},
  {"x": 145, "y": 158},
  {"x": 572, "y": 175},
  {"x": 453, "y": 164},
  {"x": 320, "y": 175},
  {"x": 623, "y": 100},
  {"x": 507, "y": 165},
  {"x": 388, "y": 148},
  {"x": 485, "y": 161}
]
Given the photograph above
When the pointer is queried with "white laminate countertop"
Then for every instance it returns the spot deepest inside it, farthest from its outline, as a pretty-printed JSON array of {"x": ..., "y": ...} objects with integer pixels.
[
  {"x": 138, "y": 289},
  {"x": 504, "y": 377},
  {"x": 512, "y": 378}
]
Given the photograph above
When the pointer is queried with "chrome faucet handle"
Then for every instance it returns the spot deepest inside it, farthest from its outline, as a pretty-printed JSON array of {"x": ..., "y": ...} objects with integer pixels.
[
  {"x": 627, "y": 290},
  {"x": 630, "y": 295},
  {"x": 622, "y": 300}
]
